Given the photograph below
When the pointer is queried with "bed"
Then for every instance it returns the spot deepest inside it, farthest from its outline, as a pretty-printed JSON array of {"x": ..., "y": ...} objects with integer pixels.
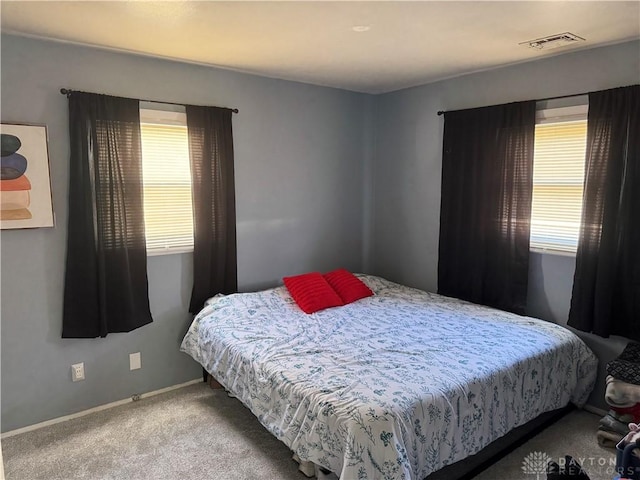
[{"x": 394, "y": 386}]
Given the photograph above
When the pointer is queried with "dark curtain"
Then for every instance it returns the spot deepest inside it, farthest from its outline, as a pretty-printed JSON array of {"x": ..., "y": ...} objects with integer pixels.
[
  {"x": 106, "y": 287},
  {"x": 487, "y": 183},
  {"x": 606, "y": 285},
  {"x": 214, "y": 210}
]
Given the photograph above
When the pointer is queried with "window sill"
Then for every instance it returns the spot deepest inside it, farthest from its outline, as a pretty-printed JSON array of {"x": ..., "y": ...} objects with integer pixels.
[
  {"x": 549, "y": 251},
  {"x": 156, "y": 252}
]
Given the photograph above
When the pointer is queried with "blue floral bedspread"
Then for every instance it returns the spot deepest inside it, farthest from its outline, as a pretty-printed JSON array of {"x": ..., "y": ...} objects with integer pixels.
[{"x": 394, "y": 386}]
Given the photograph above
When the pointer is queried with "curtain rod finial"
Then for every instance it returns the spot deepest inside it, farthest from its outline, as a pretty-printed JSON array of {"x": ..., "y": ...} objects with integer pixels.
[{"x": 440, "y": 112}]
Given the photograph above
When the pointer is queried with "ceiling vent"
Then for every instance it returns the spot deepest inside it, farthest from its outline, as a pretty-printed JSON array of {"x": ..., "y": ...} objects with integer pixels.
[{"x": 553, "y": 41}]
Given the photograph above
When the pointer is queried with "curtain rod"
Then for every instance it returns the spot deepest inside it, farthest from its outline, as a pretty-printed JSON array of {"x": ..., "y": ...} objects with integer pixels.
[
  {"x": 67, "y": 92},
  {"x": 442, "y": 112}
]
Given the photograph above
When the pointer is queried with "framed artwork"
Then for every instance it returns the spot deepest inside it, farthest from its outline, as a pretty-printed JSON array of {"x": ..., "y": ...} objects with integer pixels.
[{"x": 25, "y": 185}]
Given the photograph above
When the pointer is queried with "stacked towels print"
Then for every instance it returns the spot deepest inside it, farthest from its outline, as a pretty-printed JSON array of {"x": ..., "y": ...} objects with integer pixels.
[
  {"x": 15, "y": 187},
  {"x": 623, "y": 397}
]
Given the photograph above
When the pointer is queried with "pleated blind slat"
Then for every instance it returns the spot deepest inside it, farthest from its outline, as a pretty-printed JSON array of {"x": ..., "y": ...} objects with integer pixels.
[
  {"x": 558, "y": 177},
  {"x": 168, "y": 209}
]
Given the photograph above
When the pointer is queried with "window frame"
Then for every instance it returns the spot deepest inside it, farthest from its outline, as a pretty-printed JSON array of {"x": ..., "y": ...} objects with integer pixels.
[
  {"x": 171, "y": 115},
  {"x": 559, "y": 114}
]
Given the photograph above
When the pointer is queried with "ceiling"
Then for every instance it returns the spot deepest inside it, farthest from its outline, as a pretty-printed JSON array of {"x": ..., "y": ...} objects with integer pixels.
[{"x": 407, "y": 43}]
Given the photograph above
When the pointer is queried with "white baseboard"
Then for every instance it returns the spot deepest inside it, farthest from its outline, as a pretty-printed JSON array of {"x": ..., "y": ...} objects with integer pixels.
[
  {"x": 596, "y": 410},
  {"x": 1, "y": 465},
  {"x": 99, "y": 408}
]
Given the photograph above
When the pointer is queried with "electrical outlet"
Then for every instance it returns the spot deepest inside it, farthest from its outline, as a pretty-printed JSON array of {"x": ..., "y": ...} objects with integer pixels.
[
  {"x": 134, "y": 361},
  {"x": 77, "y": 372}
]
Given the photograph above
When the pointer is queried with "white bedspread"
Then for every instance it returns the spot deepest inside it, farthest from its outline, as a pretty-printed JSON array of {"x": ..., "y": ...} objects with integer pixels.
[{"x": 394, "y": 386}]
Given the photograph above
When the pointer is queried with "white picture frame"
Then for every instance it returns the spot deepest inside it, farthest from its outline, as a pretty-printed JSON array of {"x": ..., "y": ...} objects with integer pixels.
[{"x": 25, "y": 181}]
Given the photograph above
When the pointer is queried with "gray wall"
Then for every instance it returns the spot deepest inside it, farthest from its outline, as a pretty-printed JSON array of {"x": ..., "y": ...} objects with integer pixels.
[
  {"x": 299, "y": 188},
  {"x": 407, "y": 170}
]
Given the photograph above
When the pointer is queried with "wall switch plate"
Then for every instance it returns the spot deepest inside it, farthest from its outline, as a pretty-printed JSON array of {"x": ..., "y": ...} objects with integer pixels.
[
  {"x": 77, "y": 372},
  {"x": 134, "y": 361}
]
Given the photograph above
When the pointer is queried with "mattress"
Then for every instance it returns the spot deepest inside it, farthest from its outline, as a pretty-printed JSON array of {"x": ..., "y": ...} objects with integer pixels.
[{"x": 394, "y": 386}]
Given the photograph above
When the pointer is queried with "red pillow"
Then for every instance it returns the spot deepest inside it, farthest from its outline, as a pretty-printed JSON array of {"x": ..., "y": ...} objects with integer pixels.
[
  {"x": 312, "y": 292},
  {"x": 349, "y": 287}
]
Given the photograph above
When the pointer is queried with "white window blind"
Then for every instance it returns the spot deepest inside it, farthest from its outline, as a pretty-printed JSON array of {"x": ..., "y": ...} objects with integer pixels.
[
  {"x": 558, "y": 179},
  {"x": 168, "y": 212}
]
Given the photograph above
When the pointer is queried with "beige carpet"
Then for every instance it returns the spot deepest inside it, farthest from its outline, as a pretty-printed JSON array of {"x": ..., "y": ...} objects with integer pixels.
[{"x": 197, "y": 433}]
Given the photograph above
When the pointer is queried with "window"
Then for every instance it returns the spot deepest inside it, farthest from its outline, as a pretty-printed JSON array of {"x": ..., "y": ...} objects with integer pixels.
[
  {"x": 558, "y": 178},
  {"x": 168, "y": 212}
]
